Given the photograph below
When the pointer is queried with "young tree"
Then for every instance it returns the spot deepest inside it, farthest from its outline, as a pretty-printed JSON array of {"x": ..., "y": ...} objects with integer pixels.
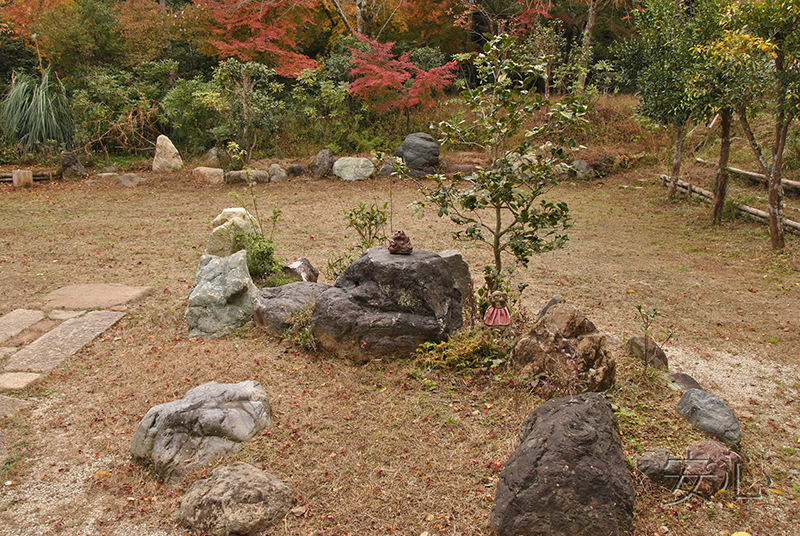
[
  {"x": 665, "y": 83},
  {"x": 501, "y": 204},
  {"x": 769, "y": 29}
]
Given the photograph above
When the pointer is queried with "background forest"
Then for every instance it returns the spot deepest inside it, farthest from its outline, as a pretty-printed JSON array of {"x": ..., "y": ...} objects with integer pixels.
[{"x": 288, "y": 77}]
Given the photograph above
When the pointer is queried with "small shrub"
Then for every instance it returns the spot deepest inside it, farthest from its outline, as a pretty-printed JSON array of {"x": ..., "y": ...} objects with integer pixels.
[
  {"x": 261, "y": 261},
  {"x": 300, "y": 331},
  {"x": 468, "y": 349}
]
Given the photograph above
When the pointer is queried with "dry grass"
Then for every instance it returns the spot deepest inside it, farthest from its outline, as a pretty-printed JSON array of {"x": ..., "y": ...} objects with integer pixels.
[{"x": 380, "y": 449}]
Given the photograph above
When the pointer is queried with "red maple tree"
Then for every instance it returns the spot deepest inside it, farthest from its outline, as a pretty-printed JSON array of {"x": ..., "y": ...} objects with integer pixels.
[
  {"x": 384, "y": 81},
  {"x": 263, "y": 30}
]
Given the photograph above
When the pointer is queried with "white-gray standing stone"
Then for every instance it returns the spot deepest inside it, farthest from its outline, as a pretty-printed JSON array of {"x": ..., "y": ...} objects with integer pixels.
[
  {"x": 166, "y": 158},
  {"x": 277, "y": 173}
]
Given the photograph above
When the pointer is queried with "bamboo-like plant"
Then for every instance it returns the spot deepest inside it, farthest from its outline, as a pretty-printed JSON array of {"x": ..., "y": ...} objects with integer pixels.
[{"x": 36, "y": 111}]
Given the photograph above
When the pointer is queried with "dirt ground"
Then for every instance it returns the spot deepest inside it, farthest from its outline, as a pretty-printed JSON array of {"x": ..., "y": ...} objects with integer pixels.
[{"x": 375, "y": 449}]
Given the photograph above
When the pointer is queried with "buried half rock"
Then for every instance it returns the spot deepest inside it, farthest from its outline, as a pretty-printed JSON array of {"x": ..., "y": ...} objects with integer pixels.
[
  {"x": 710, "y": 414},
  {"x": 236, "y": 499},
  {"x": 209, "y": 422},
  {"x": 568, "y": 476},
  {"x": 386, "y": 305}
]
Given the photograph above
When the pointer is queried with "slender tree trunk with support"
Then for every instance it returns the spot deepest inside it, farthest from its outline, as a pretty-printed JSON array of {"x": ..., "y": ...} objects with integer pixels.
[
  {"x": 675, "y": 171},
  {"x": 595, "y": 6},
  {"x": 721, "y": 181}
]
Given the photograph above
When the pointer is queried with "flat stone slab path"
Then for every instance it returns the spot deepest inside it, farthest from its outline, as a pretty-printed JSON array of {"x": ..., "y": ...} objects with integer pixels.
[
  {"x": 16, "y": 321},
  {"x": 9, "y": 406},
  {"x": 94, "y": 296},
  {"x": 12, "y": 381},
  {"x": 46, "y": 352}
]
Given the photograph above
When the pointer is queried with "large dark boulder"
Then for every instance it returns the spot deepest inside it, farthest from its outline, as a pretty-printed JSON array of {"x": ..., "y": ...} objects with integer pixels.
[
  {"x": 420, "y": 153},
  {"x": 386, "y": 305},
  {"x": 568, "y": 476}
]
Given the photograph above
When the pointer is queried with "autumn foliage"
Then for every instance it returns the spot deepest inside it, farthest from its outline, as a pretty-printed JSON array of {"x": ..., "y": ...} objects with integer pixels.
[
  {"x": 384, "y": 81},
  {"x": 261, "y": 31}
]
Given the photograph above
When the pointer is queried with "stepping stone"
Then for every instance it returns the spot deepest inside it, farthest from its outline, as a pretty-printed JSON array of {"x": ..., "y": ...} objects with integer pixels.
[
  {"x": 14, "y": 322},
  {"x": 9, "y": 406},
  {"x": 52, "y": 348},
  {"x": 93, "y": 296},
  {"x": 64, "y": 314},
  {"x": 6, "y": 351},
  {"x": 11, "y": 381}
]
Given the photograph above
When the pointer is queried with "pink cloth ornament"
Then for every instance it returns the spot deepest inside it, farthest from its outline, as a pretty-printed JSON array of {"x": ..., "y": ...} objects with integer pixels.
[{"x": 497, "y": 316}]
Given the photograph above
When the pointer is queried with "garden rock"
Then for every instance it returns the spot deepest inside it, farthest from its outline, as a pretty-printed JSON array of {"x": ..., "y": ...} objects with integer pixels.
[
  {"x": 166, "y": 159},
  {"x": 208, "y": 175},
  {"x": 711, "y": 415},
  {"x": 583, "y": 170},
  {"x": 302, "y": 270},
  {"x": 386, "y": 305},
  {"x": 568, "y": 476},
  {"x": 277, "y": 173},
  {"x": 273, "y": 306},
  {"x": 655, "y": 354},
  {"x": 661, "y": 468},
  {"x": 565, "y": 349},
  {"x": 209, "y": 422},
  {"x": 221, "y": 299},
  {"x": 323, "y": 163},
  {"x": 211, "y": 158},
  {"x": 71, "y": 167},
  {"x": 352, "y": 168},
  {"x": 297, "y": 170},
  {"x": 420, "y": 153},
  {"x": 235, "y": 500},
  {"x": 244, "y": 177},
  {"x": 712, "y": 463},
  {"x": 459, "y": 270},
  {"x": 129, "y": 180},
  {"x": 683, "y": 382},
  {"x": 231, "y": 222},
  {"x": 551, "y": 302}
]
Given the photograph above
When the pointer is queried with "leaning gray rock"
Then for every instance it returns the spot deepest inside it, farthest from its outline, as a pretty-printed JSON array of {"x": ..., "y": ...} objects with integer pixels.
[
  {"x": 565, "y": 348},
  {"x": 273, "y": 306},
  {"x": 166, "y": 158},
  {"x": 568, "y": 476},
  {"x": 352, "y": 168},
  {"x": 277, "y": 173},
  {"x": 661, "y": 468},
  {"x": 71, "y": 167},
  {"x": 235, "y": 500},
  {"x": 323, "y": 163},
  {"x": 386, "y": 305},
  {"x": 420, "y": 153},
  {"x": 208, "y": 423},
  {"x": 711, "y": 415},
  {"x": 302, "y": 270},
  {"x": 221, "y": 299}
]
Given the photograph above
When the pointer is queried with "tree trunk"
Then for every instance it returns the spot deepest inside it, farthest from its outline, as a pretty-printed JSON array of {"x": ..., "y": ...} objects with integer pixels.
[
  {"x": 365, "y": 18},
  {"x": 588, "y": 33},
  {"x": 675, "y": 171},
  {"x": 343, "y": 16},
  {"x": 721, "y": 181}
]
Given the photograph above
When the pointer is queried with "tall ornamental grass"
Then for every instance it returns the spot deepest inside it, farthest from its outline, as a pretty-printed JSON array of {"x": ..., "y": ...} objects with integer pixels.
[{"x": 36, "y": 112}]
